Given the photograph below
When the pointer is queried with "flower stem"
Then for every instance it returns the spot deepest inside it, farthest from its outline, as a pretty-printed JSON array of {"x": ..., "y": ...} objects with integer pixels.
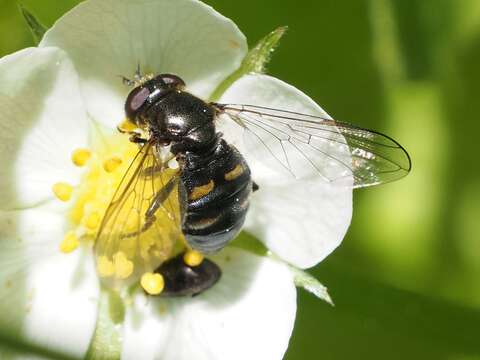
[{"x": 106, "y": 342}]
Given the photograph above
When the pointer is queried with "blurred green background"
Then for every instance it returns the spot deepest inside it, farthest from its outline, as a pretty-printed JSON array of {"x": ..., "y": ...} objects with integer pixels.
[{"x": 406, "y": 279}]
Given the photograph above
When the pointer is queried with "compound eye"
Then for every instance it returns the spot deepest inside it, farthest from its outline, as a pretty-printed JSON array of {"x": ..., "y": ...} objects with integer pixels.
[
  {"x": 135, "y": 100},
  {"x": 172, "y": 81}
]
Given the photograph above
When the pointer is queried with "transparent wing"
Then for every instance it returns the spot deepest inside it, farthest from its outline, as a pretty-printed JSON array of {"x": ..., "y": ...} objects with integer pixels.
[
  {"x": 307, "y": 145},
  {"x": 142, "y": 223}
]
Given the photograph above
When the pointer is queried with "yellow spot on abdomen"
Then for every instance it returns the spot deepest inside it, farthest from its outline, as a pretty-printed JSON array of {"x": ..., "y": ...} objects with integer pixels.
[
  {"x": 201, "y": 191},
  {"x": 193, "y": 258},
  {"x": 112, "y": 164},
  {"x": 70, "y": 242},
  {"x": 235, "y": 173},
  {"x": 152, "y": 283},
  {"x": 81, "y": 156},
  {"x": 62, "y": 191}
]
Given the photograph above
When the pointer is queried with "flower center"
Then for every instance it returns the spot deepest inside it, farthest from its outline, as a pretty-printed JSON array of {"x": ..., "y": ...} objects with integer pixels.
[{"x": 128, "y": 258}]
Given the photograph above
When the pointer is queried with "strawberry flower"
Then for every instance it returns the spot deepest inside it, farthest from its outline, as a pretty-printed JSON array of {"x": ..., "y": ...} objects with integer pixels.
[{"x": 60, "y": 105}]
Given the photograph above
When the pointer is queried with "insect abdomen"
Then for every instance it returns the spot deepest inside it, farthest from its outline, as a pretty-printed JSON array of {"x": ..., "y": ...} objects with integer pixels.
[{"x": 216, "y": 191}]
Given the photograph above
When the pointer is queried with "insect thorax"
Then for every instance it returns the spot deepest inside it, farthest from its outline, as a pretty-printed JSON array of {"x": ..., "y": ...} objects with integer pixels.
[{"x": 183, "y": 120}]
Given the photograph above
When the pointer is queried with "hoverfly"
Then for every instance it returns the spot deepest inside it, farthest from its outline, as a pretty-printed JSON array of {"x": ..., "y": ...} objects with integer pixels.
[{"x": 205, "y": 199}]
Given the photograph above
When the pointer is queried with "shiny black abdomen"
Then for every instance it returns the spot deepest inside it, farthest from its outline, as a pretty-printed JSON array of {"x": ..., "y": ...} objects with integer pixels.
[{"x": 215, "y": 190}]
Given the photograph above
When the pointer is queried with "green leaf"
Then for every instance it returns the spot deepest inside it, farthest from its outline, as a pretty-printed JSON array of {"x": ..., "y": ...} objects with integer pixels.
[
  {"x": 370, "y": 312},
  {"x": 106, "y": 344},
  {"x": 36, "y": 28},
  {"x": 309, "y": 283},
  {"x": 255, "y": 61}
]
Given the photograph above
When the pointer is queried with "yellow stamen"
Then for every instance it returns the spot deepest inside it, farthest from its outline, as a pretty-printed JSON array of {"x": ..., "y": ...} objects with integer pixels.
[
  {"x": 127, "y": 126},
  {"x": 193, "y": 258},
  {"x": 62, "y": 191},
  {"x": 81, "y": 156},
  {"x": 120, "y": 261},
  {"x": 110, "y": 165},
  {"x": 70, "y": 242},
  {"x": 153, "y": 284},
  {"x": 123, "y": 266},
  {"x": 105, "y": 267},
  {"x": 93, "y": 220}
]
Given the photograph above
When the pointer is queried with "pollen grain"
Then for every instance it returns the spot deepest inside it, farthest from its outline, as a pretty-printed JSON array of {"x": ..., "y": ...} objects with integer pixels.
[
  {"x": 63, "y": 191},
  {"x": 123, "y": 266},
  {"x": 105, "y": 267},
  {"x": 112, "y": 164},
  {"x": 193, "y": 258},
  {"x": 152, "y": 283},
  {"x": 81, "y": 156},
  {"x": 70, "y": 243},
  {"x": 92, "y": 221}
]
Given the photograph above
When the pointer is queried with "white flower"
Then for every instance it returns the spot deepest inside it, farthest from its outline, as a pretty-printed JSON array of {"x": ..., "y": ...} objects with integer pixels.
[{"x": 54, "y": 98}]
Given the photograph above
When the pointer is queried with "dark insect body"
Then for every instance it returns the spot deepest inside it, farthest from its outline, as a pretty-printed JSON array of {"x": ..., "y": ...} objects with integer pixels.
[
  {"x": 213, "y": 182},
  {"x": 183, "y": 280}
]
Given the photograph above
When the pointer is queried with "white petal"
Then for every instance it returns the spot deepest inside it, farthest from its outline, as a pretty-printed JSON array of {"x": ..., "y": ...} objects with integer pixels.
[
  {"x": 42, "y": 119},
  {"x": 248, "y": 314},
  {"x": 48, "y": 298},
  {"x": 108, "y": 38},
  {"x": 302, "y": 221}
]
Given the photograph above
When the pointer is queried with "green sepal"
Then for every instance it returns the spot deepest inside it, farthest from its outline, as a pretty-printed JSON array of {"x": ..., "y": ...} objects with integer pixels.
[
  {"x": 257, "y": 58},
  {"x": 308, "y": 282},
  {"x": 106, "y": 344},
  {"x": 36, "y": 28},
  {"x": 249, "y": 243},
  {"x": 255, "y": 61}
]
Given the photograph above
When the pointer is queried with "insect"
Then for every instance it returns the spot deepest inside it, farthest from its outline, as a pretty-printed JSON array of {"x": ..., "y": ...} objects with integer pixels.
[{"x": 204, "y": 200}]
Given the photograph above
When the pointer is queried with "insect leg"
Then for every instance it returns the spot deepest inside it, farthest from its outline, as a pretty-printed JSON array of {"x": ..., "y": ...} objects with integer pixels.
[
  {"x": 157, "y": 201},
  {"x": 123, "y": 131},
  {"x": 138, "y": 73},
  {"x": 255, "y": 186},
  {"x": 126, "y": 81},
  {"x": 149, "y": 171},
  {"x": 137, "y": 139},
  {"x": 135, "y": 135}
]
